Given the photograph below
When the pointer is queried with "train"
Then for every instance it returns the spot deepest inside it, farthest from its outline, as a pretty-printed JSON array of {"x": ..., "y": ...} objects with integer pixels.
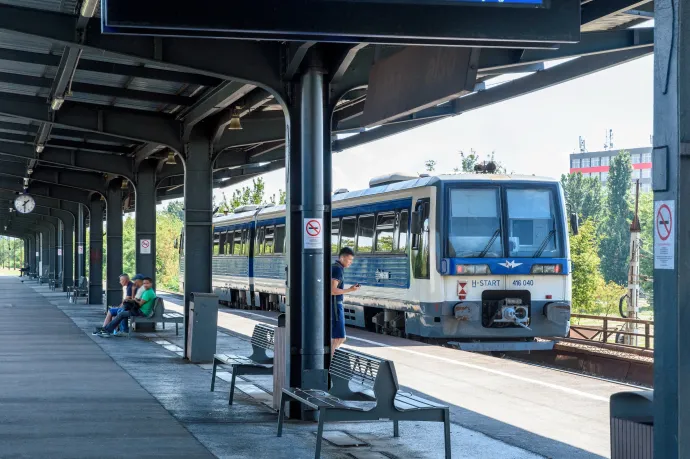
[{"x": 481, "y": 260}]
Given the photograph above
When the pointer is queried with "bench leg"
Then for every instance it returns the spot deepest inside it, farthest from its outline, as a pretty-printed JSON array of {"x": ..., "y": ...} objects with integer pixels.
[
  {"x": 446, "y": 431},
  {"x": 164, "y": 325},
  {"x": 396, "y": 429},
  {"x": 319, "y": 433},
  {"x": 177, "y": 332},
  {"x": 213, "y": 375},
  {"x": 281, "y": 413},
  {"x": 232, "y": 386}
]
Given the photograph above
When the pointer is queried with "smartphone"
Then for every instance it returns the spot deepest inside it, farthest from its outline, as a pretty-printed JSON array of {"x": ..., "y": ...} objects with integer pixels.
[{"x": 357, "y": 285}]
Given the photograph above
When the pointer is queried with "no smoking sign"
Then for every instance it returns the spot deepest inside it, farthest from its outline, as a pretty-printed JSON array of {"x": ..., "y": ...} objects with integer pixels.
[
  {"x": 664, "y": 237},
  {"x": 313, "y": 233}
]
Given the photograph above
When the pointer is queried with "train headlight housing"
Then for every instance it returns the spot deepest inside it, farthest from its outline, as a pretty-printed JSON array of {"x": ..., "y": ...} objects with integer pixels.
[
  {"x": 547, "y": 269},
  {"x": 472, "y": 269}
]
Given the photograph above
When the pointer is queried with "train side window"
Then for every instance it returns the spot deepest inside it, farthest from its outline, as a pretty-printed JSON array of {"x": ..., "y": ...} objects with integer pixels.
[
  {"x": 335, "y": 235},
  {"x": 365, "y": 234},
  {"x": 403, "y": 223},
  {"x": 221, "y": 243},
  {"x": 245, "y": 242},
  {"x": 347, "y": 232},
  {"x": 259, "y": 244},
  {"x": 237, "y": 243},
  {"x": 228, "y": 243},
  {"x": 269, "y": 239},
  {"x": 279, "y": 246},
  {"x": 385, "y": 232},
  {"x": 216, "y": 243}
]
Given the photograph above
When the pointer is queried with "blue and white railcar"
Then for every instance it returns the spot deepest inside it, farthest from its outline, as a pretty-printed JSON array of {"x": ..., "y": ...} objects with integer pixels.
[{"x": 466, "y": 257}]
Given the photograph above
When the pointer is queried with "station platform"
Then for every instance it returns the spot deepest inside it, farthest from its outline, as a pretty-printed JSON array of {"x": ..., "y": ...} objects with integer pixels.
[{"x": 71, "y": 394}]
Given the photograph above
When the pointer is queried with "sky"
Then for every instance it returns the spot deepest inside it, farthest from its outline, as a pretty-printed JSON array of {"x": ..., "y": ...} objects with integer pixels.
[{"x": 531, "y": 134}]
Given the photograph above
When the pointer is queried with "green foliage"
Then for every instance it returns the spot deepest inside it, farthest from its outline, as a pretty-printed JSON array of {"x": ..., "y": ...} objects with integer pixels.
[
  {"x": 11, "y": 252},
  {"x": 615, "y": 247},
  {"x": 245, "y": 196},
  {"x": 168, "y": 228},
  {"x": 584, "y": 196},
  {"x": 586, "y": 275},
  {"x": 468, "y": 161},
  {"x": 430, "y": 165},
  {"x": 128, "y": 252},
  {"x": 176, "y": 208},
  {"x": 646, "y": 215}
]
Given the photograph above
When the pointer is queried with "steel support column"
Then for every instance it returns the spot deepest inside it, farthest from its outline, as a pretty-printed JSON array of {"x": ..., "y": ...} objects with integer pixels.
[
  {"x": 31, "y": 258},
  {"x": 96, "y": 250},
  {"x": 114, "y": 234},
  {"x": 59, "y": 237},
  {"x": 68, "y": 252},
  {"x": 80, "y": 245},
  {"x": 52, "y": 248},
  {"x": 45, "y": 251},
  {"x": 198, "y": 225},
  {"x": 671, "y": 157},
  {"x": 306, "y": 264},
  {"x": 145, "y": 220}
]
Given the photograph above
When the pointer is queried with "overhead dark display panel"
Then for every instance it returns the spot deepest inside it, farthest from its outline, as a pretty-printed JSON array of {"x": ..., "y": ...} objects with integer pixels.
[{"x": 444, "y": 22}]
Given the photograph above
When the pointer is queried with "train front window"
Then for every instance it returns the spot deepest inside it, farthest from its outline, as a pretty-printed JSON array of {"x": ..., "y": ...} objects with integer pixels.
[
  {"x": 475, "y": 223},
  {"x": 532, "y": 226}
]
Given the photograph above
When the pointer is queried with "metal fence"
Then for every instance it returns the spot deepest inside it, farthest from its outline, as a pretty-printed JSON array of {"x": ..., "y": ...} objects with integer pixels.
[{"x": 615, "y": 330}]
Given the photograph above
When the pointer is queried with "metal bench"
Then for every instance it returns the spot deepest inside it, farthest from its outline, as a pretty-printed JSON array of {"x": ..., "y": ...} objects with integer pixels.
[
  {"x": 159, "y": 316},
  {"x": 55, "y": 282},
  {"x": 342, "y": 403},
  {"x": 45, "y": 277},
  {"x": 258, "y": 363},
  {"x": 81, "y": 290}
]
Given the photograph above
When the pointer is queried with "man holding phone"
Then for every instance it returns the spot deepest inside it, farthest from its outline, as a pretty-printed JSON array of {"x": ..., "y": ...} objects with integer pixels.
[{"x": 345, "y": 258}]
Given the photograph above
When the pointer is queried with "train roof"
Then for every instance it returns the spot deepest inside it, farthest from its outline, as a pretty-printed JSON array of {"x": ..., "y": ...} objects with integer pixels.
[{"x": 390, "y": 188}]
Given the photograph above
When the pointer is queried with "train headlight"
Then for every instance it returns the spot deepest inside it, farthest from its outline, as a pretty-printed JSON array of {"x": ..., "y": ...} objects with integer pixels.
[
  {"x": 472, "y": 269},
  {"x": 547, "y": 269}
]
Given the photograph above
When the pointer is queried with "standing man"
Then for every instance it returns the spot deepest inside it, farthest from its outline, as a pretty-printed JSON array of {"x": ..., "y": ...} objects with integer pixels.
[{"x": 345, "y": 258}]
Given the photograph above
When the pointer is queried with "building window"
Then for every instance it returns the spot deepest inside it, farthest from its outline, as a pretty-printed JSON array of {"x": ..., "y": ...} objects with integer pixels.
[
  {"x": 635, "y": 159},
  {"x": 585, "y": 162},
  {"x": 595, "y": 162},
  {"x": 646, "y": 157},
  {"x": 604, "y": 176},
  {"x": 636, "y": 173},
  {"x": 646, "y": 173},
  {"x": 604, "y": 160},
  {"x": 646, "y": 187},
  {"x": 576, "y": 163}
]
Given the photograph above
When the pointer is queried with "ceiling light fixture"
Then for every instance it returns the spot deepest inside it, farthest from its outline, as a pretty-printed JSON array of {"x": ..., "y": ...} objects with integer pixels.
[
  {"x": 124, "y": 184},
  {"x": 235, "y": 124},
  {"x": 171, "y": 159},
  {"x": 39, "y": 148},
  {"x": 57, "y": 103},
  {"x": 88, "y": 8}
]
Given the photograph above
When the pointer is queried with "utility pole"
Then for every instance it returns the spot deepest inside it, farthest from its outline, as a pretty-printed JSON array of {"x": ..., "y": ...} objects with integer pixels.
[{"x": 634, "y": 272}]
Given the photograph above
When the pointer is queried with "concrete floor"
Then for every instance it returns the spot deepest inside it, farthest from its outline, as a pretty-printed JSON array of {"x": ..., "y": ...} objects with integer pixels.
[
  {"x": 62, "y": 396},
  {"x": 175, "y": 396},
  {"x": 541, "y": 410}
]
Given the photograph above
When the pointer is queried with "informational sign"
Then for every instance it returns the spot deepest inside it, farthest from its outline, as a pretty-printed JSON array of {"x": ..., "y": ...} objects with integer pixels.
[
  {"x": 145, "y": 246},
  {"x": 80, "y": 250},
  {"x": 59, "y": 252},
  {"x": 462, "y": 291},
  {"x": 664, "y": 234},
  {"x": 313, "y": 234}
]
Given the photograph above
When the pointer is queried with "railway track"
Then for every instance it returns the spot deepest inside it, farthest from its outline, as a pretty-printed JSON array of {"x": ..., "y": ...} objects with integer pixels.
[{"x": 613, "y": 362}]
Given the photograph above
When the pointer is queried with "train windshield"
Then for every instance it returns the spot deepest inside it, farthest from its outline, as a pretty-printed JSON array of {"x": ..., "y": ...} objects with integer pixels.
[{"x": 480, "y": 217}]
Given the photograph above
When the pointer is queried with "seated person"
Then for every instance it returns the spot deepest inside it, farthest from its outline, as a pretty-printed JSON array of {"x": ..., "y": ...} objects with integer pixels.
[
  {"x": 136, "y": 307},
  {"x": 130, "y": 290}
]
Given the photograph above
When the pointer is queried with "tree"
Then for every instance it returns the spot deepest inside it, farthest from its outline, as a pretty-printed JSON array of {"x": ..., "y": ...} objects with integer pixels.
[
  {"x": 586, "y": 275},
  {"x": 468, "y": 161},
  {"x": 584, "y": 196},
  {"x": 615, "y": 247},
  {"x": 646, "y": 215},
  {"x": 168, "y": 227},
  {"x": 176, "y": 208},
  {"x": 430, "y": 165},
  {"x": 282, "y": 197}
]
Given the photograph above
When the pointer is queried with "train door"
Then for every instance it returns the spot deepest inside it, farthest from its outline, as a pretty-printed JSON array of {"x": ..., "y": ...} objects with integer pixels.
[{"x": 421, "y": 244}]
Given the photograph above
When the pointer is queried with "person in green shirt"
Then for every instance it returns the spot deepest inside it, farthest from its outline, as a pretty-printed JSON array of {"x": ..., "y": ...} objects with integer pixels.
[{"x": 142, "y": 306}]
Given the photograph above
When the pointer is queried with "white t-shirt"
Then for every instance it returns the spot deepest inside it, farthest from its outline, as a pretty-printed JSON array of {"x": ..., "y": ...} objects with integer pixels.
[{"x": 140, "y": 292}]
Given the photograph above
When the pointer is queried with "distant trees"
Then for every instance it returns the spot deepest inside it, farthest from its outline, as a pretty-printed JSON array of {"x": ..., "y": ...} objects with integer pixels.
[
  {"x": 584, "y": 196},
  {"x": 615, "y": 246},
  {"x": 469, "y": 163},
  {"x": 11, "y": 252}
]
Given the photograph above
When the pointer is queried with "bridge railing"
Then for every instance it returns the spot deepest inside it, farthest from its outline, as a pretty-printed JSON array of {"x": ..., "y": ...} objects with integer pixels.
[{"x": 614, "y": 330}]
